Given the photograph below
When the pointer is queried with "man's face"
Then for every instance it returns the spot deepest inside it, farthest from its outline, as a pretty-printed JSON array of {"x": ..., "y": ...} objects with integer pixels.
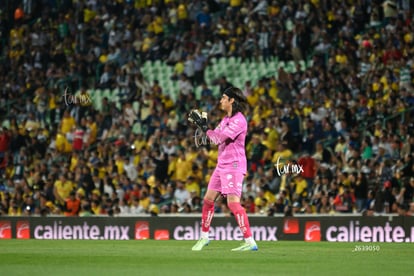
[{"x": 226, "y": 102}]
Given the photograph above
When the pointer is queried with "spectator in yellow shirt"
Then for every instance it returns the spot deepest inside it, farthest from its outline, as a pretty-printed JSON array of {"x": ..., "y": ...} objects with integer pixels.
[
  {"x": 192, "y": 154},
  {"x": 178, "y": 69},
  {"x": 67, "y": 123},
  {"x": 196, "y": 173},
  {"x": 273, "y": 91},
  {"x": 62, "y": 188},
  {"x": 156, "y": 26},
  {"x": 300, "y": 188},
  {"x": 258, "y": 91},
  {"x": 74, "y": 161},
  {"x": 183, "y": 167},
  {"x": 52, "y": 106},
  {"x": 272, "y": 136},
  {"x": 144, "y": 199},
  {"x": 192, "y": 186},
  {"x": 211, "y": 156},
  {"x": 31, "y": 123},
  {"x": 172, "y": 165},
  {"x": 139, "y": 143},
  {"x": 84, "y": 101},
  {"x": 264, "y": 199},
  {"x": 282, "y": 155},
  {"x": 119, "y": 163},
  {"x": 235, "y": 3},
  {"x": 92, "y": 130}
]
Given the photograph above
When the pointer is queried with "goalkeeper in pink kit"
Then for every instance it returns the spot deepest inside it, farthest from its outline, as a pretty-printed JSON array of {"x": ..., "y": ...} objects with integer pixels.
[{"x": 227, "y": 178}]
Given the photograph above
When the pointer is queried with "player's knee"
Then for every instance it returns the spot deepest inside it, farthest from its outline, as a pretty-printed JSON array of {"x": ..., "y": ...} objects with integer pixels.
[
  {"x": 208, "y": 202},
  {"x": 235, "y": 207}
]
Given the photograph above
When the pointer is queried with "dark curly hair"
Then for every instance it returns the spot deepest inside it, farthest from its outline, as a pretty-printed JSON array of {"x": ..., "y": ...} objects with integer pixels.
[{"x": 240, "y": 102}]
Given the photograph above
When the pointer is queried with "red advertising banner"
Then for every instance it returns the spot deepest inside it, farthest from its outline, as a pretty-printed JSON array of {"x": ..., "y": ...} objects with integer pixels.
[
  {"x": 312, "y": 231},
  {"x": 290, "y": 226},
  {"x": 5, "y": 229},
  {"x": 142, "y": 230},
  {"x": 23, "y": 229},
  {"x": 309, "y": 228},
  {"x": 162, "y": 234}
]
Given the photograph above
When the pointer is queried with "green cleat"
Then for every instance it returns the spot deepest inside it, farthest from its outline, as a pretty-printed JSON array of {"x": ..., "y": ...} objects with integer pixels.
[
  {"x": 200, "y": 244},
  {"x": 246, "y": 247}
]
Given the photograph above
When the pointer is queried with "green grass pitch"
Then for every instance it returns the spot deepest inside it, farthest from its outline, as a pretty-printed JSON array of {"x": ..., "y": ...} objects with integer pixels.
[{"x": 149, "y": 257}]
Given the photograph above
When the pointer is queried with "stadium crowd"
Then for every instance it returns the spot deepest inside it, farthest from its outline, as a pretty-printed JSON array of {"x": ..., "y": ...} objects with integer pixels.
[{"x": 345, "y": 119}]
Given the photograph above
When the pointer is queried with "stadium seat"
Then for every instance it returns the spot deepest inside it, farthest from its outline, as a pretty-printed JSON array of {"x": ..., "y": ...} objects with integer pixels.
[
  {"x": 197, "y": 92},
  {"x": 216, "y": 91},
  {"x": 262, "y": 68},
  {"x": 116, "y": 97},
  {"x": 6, "y": 123},
  {"x": 146, "y": 68},
  {"x": 106, "y": 93},
  {"x": 238, "y": 82},
  {"x": 166, "y": 70},
  {"x": 209, "y": 74},
  {"x": 243, "y": 70},
  {"x": 236, "y": 71},
  {"x": 96, "y": 98},
  {"x": 135, "y": 106},
  {"x": 302, "y": 65},
  {"x": 281, "y": 64},
  {"x": 271, "y": 66},
  {"x": 174, "y": 91},
  {"x": 220, "y": 70},
  {"x": 136, "y": 128},
  {"x": 213, "y": 60},
  {"x": 290, "y": 67}
]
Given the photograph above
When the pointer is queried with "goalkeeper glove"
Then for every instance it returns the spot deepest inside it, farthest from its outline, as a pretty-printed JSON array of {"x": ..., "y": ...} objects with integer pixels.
[{"x": 199, "y": 119}]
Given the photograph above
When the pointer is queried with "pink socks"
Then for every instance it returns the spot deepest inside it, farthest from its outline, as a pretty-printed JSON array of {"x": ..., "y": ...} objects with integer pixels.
[
  {"x": 237, "y": 210},
  {"x": 241, "y": 218},
  {"x": 207, "y": 215}
]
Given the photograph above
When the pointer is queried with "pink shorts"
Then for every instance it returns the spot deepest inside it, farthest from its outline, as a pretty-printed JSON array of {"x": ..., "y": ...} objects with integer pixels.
[{"x": 226, "y": 182}]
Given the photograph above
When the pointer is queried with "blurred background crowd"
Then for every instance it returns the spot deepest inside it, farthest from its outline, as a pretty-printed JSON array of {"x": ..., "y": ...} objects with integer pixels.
[{"x": 343, "y": 114}]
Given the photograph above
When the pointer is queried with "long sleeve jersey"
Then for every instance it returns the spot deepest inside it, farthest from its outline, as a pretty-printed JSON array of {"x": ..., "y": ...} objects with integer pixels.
[{"x": 230, "y": 136}]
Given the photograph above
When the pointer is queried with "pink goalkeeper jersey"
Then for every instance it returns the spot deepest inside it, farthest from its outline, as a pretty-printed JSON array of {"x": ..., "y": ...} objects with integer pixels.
[{"x": 230, "y": 136}]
